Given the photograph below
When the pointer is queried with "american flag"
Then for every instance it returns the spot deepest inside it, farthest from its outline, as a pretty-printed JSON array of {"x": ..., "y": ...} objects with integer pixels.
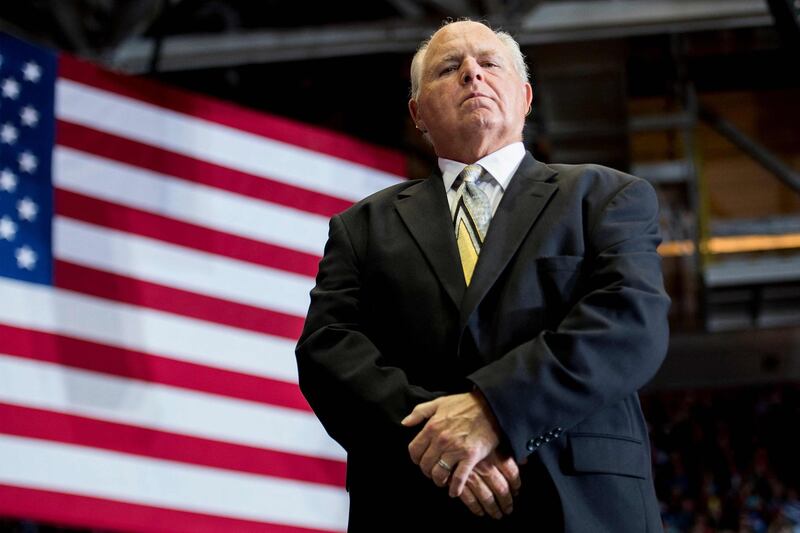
[{"x": 156, "y": 253}]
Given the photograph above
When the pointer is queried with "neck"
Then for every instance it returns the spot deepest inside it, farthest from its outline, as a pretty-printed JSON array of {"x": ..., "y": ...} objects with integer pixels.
[{"x": 472, "y": 149}]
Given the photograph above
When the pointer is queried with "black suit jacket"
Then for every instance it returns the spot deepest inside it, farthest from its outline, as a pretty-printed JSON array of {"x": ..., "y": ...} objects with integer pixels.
[{"x": 565, "y": 319}]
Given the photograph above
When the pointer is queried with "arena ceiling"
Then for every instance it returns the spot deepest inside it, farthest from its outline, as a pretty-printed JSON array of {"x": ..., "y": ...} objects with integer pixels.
[{"x": 139, "y": 36}]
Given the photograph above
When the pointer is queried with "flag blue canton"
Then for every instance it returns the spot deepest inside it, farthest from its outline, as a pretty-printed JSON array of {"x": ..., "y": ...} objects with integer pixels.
[{"x": 27, "y": 126}]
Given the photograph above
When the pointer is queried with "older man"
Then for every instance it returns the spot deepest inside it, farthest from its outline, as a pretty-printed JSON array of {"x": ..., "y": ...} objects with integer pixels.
[{"x": 475, "y": 340}]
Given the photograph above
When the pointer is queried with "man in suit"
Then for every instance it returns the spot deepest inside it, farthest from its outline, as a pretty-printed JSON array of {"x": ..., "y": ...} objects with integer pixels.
[{"x": 475, "y": 340}]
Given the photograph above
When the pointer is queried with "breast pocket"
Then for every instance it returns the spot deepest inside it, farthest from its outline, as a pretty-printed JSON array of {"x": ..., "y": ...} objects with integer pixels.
[
  {"x": 560, "y": 263},
  {"x": 559, "y": 277}
]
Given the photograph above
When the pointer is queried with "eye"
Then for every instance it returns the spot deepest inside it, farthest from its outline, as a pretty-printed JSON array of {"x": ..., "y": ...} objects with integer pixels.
[
  {"x": 447, "y": 69},
  {"x": 490, "y": 64}
]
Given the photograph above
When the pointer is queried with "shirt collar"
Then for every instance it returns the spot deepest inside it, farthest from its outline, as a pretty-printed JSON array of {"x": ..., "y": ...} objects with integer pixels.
[{"x": 500, "y": 165}]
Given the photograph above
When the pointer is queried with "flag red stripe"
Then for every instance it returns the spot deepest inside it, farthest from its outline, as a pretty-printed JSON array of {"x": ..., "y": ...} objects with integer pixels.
[
  {"x": 144, "y": 293},
  {"x": 257, "y": 122},
  {"x": 87, "y": 355},
  {"x": 72, "y": 429},
  {"x": 82, "y": 511},
  {"x": 132, "y": 220},
  {"x": 195, "y": 170}
]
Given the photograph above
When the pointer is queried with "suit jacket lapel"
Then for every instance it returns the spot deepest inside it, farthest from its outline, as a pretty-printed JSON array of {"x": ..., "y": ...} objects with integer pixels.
[
  {"x": 425, "y": 211},
  {"x": 523, "y": 201}
]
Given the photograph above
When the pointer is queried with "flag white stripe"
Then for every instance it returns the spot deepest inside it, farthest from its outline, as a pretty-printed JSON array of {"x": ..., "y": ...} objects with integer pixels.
[
  {"x": 114, "y": 399},
  {"x": 117, "y": 476},
  {"x": 222, "y": 145},
  {"x": 205, "y": 206},
  {"x": 52, "y": 310},
  {"x": 180, "y": 267}
]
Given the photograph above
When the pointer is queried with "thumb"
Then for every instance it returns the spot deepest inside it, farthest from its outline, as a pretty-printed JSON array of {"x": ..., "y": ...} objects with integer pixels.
[{"x": 420, "y": 413}]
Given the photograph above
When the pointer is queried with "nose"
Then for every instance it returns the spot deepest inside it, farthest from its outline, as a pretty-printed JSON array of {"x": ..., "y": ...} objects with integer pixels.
[{"x": 471, "y": 71}]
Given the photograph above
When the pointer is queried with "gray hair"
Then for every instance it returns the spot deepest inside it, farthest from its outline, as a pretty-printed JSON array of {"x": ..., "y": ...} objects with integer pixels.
[{"x": 517, "y": 57}]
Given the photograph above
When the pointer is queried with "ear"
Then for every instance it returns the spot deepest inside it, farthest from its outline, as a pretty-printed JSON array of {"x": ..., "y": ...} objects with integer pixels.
[
  {"x": 413, "y": 109},
  {"x": 528, "y": 95}
]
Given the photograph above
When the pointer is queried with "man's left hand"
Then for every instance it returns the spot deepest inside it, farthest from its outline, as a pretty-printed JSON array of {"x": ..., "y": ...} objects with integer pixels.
[{"x": 460, "y": 431}]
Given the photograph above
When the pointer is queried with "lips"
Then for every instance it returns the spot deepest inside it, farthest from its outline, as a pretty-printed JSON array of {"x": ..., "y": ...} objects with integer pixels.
[{"x": 474, "y": 95}]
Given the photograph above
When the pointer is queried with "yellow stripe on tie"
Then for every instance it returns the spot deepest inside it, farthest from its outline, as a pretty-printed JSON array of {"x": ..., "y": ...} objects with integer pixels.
[{"x": 467, "y": 251}]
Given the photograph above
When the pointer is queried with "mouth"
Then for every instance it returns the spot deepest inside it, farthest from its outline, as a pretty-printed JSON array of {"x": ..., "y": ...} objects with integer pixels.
[{"x": 472, "y": 95}]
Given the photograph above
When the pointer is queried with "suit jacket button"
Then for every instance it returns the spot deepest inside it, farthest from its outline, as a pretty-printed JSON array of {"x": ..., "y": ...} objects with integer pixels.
[
  {"x": 538, "y": 441},
  {"x": 531, "y": 445}
]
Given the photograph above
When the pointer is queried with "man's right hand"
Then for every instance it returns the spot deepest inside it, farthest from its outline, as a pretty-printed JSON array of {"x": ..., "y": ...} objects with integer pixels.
[{"x": 492, "y": 485}]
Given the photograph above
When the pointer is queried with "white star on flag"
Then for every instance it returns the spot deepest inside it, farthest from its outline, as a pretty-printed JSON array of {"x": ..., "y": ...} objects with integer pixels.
[
  {"x": 26, "y": 258},
  {"x": 8, "y": 180},
  {"x": 8, "y": 133},
  {"x": 29, "y": 116},
  {"x": 8, "y": 229},
  {"x": 28, "y": 162},
  {"x": 31, "y": 71},
  {"x": 27, "y": 209},
  {"x": 10, "y": 88}
]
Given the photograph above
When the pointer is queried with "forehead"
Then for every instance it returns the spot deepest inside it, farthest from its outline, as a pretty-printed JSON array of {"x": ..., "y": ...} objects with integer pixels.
[{"x": 459, "y": 38}]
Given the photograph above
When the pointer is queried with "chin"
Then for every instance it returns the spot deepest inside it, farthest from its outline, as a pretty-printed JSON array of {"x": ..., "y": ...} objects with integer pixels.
[{"x": 484, "y": 120}]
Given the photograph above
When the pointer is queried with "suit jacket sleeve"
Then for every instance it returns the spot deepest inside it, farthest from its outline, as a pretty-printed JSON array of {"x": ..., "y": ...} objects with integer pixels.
[
  {"x": 608, "y": 345},
  {"x": 358, "y": 398}
]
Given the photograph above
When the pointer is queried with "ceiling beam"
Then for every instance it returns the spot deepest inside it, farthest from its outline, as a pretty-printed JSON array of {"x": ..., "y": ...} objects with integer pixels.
[
  {"x": 409, "y": 9},
  {"x": 454, "y": 8},
  {"x": 190, "y": 52}
]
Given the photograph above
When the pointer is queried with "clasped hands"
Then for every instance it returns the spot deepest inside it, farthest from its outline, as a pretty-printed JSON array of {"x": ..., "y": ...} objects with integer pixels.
[{"x": 462, "y": 433}]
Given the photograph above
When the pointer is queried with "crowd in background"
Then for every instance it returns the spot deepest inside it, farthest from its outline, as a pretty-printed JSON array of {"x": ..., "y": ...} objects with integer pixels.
[{"x": 727, "y": 460}]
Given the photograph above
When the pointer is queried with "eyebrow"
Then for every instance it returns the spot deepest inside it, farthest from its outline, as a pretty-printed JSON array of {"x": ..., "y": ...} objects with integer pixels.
[
  {"x": 458, "y": 57},
  {"x": 452, "y": 58},
  {"x": 491, "y": 53}
]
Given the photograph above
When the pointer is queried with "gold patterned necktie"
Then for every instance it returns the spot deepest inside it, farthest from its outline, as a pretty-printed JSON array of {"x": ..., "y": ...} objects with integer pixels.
[{"x": 472, "y": 216}]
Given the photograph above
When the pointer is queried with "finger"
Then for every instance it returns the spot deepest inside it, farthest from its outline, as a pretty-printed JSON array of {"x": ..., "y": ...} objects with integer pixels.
[
  {"x": 418, "y": 446},
  {"x": 499, "y": 486},
  {"x": 429, "y": 459},
  {"x": 461, "y": 474},
  {"x": 510, "y": 470},
  {"x": 485, "y": 496},
  {"x": 440, "y": 475},
  {"x": 472, "y": 502},
  {"x": 421, "y": 412}
]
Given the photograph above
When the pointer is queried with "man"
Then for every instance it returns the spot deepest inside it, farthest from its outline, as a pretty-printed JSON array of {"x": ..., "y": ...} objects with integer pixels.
[{"x": 475, "y": 340}]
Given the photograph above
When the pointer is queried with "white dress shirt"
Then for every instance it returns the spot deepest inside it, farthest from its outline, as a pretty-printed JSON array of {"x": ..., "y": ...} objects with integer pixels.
[{"x": 500, "y": 167}]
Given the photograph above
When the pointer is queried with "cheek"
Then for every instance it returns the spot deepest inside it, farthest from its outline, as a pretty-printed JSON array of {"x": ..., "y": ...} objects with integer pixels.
[{"x": 516, "y": 101}]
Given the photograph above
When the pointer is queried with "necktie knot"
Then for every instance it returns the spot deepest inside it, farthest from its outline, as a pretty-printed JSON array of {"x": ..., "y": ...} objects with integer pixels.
[{"x": 470, "y": 174}]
